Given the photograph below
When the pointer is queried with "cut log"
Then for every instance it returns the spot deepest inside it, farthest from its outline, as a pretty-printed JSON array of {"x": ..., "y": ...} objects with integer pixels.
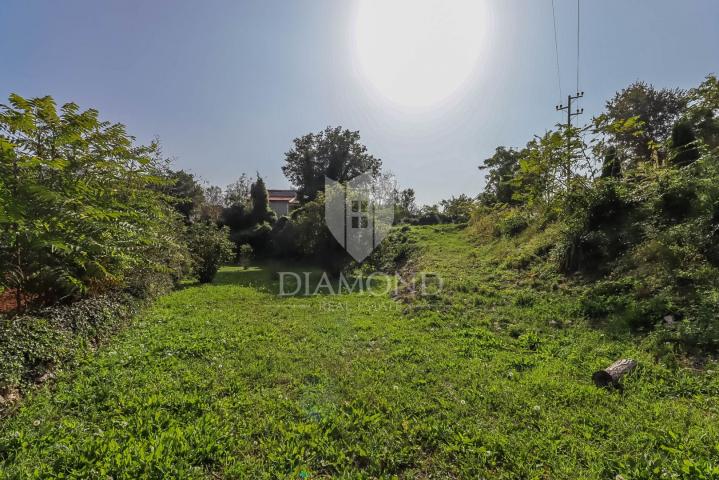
[{"x": 611, "y": 375}]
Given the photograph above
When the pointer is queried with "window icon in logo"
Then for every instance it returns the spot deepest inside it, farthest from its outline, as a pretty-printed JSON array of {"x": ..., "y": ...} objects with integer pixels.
[{"x": 359, "y": 214}]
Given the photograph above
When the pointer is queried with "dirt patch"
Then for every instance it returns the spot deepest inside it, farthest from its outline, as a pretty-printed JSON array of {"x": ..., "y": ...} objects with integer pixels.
[{"x": 8, "y": 300}]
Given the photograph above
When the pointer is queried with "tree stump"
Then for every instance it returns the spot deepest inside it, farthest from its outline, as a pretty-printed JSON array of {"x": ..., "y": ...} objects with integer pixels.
[{"x": 611, "y": 375}]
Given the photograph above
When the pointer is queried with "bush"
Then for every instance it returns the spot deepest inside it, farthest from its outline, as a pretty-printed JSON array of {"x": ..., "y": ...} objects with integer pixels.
[
  {"x": 393, "y": 253},
  {"x": 283, "y": 239},
  {"x": 497, "y": 221},
  {"x": 28, "y": 347},
  {"x": 427, "y": 218},
  {"x": 655, "y": 240},
  {"x": 86, "y": 217},
  {"x": 36, "y": 343},
  {"x": 675, "y": 197},
  {"x": 599, "y": 225},
  {"x": 627, "y": 304},
  {"x": 304, "y": 236},
  {"x": 683, "y": 142},
  {"x": 258, "y": 236},
  {"x": 511, "y": 223},
  {"x": 210, "y": 247},
  {"x": 244, "y": 254},
  {"x": 458, "y": 209},
  {"x": 95, "y": 317}
]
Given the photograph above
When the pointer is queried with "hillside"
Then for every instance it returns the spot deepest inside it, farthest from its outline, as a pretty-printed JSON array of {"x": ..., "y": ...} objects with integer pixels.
[{"x": 491, "y": 378}]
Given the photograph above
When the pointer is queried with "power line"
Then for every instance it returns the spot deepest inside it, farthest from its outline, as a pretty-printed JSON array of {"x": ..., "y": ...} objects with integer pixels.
[
  {"x": 577, "y": 45},
  {"x": 570, "y": 98},
  {"x": 556, "y": 51}
]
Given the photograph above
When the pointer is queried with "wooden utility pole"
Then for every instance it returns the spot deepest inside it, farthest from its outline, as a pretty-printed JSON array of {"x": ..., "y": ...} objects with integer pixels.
[{"x": 570, "y": 114}]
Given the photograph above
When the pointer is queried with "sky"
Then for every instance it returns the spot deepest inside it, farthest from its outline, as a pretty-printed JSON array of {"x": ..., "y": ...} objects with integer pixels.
[{"x": 227, "y": 85}]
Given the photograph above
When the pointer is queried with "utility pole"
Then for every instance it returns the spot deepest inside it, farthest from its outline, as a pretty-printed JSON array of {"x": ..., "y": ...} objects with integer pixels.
[{"x": 570, "y": 114}]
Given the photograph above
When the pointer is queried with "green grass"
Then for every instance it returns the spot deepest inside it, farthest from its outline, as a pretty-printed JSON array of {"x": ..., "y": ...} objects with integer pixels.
[{"x": 489, "y": 379}]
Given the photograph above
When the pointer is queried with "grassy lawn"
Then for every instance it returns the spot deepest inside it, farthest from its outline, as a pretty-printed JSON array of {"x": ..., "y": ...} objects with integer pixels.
[{"x": 489, "y": 379}]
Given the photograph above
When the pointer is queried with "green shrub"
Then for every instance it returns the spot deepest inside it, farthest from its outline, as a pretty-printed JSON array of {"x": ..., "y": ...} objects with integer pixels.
[
  {"x": 599, "y": 225},
  {"x": 684, "y": 144},
  {"x": 245, "y": 253},
  {"x": 393, "y": 253},
  {"x": 35, "y": 343},
  {"x": 458, "y": 209},
  {"x": 676, "y": 196},
  {"x": 94, "y": 317},
  {"x": 304, "y": 236},
  {"x": 667, "y": 267},
  {"x": 81, "y": 207},
  {"x": 512, "y": 223},
  {"x": 210, "y": 247},
  {"x": 28, "y": 347},
  {"x": 498, "y": 221}
]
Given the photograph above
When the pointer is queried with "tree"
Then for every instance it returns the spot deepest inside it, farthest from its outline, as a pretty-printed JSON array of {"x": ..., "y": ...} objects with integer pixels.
[
  {"x": 187, "y": 193},
  {"x": 684, "y": 144},
  {"x": 211, "y": 209},
  {"x": 703, "y": 111},
  {"x": 250, "y": 222},
  {"x": 611, "y": 166},
  {"x": 540, "y": 179},
  {"x": 304, "y": 235},
  {"x": 261, "y": 211},
  {"x": 244, "y": 254},
  {"x": 655, "y": 112},
  {"x": 236, "y": 217},
  {"x": 502, "y": 167},
  {"x": 458, "y": 209},
  {"x": 80, "y": 204},
  {"x": 238, "y": 192},
  {"x": 405, "y": 206},
  {"x": 428, "y": 215},
  {"x": 333, "y": 152}
]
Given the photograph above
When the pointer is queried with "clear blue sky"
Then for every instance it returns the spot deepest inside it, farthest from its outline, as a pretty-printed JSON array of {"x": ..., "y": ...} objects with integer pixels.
[{"x": 227, "y": 85}]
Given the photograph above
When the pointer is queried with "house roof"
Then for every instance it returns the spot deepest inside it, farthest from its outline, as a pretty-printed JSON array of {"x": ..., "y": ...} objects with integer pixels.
[{"x": 282, "y": 196}]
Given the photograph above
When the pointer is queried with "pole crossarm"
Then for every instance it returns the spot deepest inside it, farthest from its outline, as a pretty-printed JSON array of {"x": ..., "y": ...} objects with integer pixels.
[{"x": 570, "y": 114}]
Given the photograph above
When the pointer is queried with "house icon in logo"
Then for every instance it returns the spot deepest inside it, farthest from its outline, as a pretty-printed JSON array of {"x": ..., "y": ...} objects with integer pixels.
[{"x": 359, "y": 213}]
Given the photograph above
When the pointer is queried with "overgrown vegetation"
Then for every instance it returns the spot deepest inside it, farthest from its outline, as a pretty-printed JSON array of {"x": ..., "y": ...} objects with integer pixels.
[
  {"x": 581, "y": 240},
  {"x": 489, "y": 378},
  {"x": 635, "y": 196},
  {"x": 35, "y": 347},
  {"x": 91, "y": 226},
  {"x": 79, "y": 207},
  {"x": 210, "y": 248}
]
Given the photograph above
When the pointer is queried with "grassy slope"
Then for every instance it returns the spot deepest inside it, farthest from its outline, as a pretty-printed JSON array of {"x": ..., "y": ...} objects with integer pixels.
[{"x": 491, "y": 378}]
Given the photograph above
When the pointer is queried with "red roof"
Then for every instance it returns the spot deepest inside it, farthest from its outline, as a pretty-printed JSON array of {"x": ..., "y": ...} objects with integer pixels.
[{"x": 282, "y": 196}]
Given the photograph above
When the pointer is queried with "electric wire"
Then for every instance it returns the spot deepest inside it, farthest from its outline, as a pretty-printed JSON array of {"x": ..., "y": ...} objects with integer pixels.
[
  {"x": 556, "y": 52},
  {"x": 577, "y": 46}
]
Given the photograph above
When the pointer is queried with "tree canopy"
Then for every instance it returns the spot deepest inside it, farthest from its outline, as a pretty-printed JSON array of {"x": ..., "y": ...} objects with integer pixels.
[
  {"x": 334, "y": 152},
  {"x": 81, "y": 205},
  {"x": 655, "y": 110},
  {"x": 261, "y": 211},
  {"x": 501, "y": 169}
]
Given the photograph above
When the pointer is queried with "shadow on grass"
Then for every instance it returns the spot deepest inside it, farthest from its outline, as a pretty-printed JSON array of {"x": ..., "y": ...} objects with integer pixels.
[
  {"x": 266, "y": 277},
  {"x": 252, "y": 276}
]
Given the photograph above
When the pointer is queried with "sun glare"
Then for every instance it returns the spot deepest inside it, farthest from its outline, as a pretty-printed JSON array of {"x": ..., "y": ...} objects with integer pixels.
[{"x": 417, "y": 53}]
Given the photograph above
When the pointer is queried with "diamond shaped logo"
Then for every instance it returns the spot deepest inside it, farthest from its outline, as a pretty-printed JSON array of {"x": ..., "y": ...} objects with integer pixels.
[{"x": 360, "y": 212}]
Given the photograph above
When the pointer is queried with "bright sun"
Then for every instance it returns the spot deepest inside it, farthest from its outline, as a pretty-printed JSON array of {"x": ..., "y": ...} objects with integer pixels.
[{"x": 418, "y": 52}]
